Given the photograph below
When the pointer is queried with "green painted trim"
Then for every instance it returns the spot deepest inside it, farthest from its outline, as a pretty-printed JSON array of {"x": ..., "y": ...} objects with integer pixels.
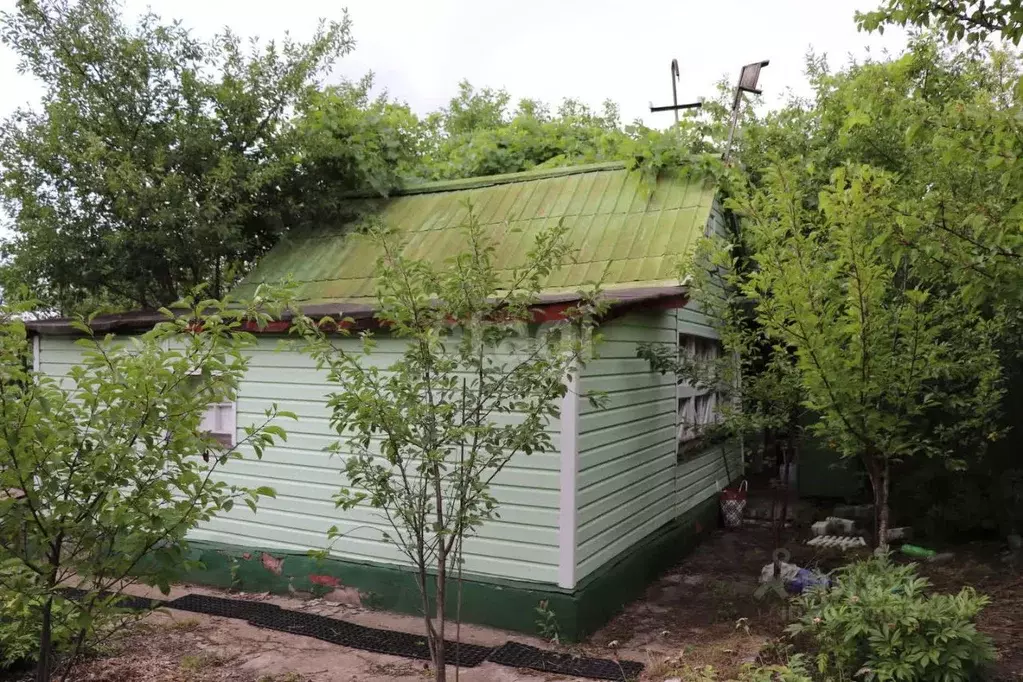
[{"x": 506, "y": 604}]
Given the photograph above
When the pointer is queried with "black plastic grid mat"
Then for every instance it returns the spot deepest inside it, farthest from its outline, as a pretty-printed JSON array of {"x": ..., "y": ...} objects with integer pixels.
[
  {"x": 517, "y": 655},
  {"x": 226, "y": 608},
  {"x": 124, "y": 601},
  {"x": 368, "y": 639},
  {"x": 273, "y": 617}
]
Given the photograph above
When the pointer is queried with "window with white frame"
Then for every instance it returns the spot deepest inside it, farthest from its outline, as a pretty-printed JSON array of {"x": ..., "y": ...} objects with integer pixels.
[
  {"x": 697, "y": 405},
  {"x": 220, "y": 419}
]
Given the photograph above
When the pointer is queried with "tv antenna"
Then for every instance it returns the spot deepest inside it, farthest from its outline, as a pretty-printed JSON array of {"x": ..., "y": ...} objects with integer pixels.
[
  {"x": 748, "y": 79},
  {"x": 675, "y": 106}
]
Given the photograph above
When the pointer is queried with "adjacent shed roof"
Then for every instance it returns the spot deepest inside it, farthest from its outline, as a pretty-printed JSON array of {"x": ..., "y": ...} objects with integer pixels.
[{"x": 616, "y": 222}]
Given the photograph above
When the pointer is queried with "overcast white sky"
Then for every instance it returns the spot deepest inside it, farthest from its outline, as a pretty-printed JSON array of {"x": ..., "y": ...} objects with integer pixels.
[{"x": 546, "y": 49}]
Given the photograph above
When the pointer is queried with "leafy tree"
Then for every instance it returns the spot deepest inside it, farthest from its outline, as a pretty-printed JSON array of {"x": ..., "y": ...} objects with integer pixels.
[
  {"x": 478, "y": 135},
  {"x": 973, "y": 20},
  {"x": 346, "y": 141},
  {"x": 156, "y": 160},
  {"x": 896, "y": 365},
  {"x": 104, "y": 472},
  {"x": 948, "y": 124},
  {"x": 473, "y": 388},
  {"x": 945, "y": 122}
]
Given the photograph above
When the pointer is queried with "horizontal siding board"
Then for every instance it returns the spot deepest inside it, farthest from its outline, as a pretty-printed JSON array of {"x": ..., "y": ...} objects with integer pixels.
[
  {"x": 647, "y": 320},
  {"x": 627, "y": 451},
  {"x": 522, "y": 543},
  {"x": 511, "y": 476},
  {"x": 371, "y": 533},
  {"x": 325, "y": 509},
  {"x": 309, "y": 449},
  {"x": 617, "y": 458},
  {"x": 622, "y": 349},
  {"x": 617, "y": 491},
  {"x": 612, "y": 546},
  {"x": 656, "y": 402},
  {"x": 612, "y": 385},
  {"x": 655, "y": 420},
  {"x": 630, "y": 482},
  {"x": 705, "y": 476},
  {"x": 613, "y": 522},
  {"x": 619, "y": 366},
  {"x": 253, "y": 534},
  {"x": 627, "y": 400}
]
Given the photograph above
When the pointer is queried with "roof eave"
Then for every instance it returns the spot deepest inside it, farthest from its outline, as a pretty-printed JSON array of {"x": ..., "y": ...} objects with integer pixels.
[{"x": 548, "y": 307}]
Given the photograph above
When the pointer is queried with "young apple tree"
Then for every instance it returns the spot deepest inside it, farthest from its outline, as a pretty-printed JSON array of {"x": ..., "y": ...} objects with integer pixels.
[
  {"x": 476, "y": 384},
  {"x": 103, "y": 472}
]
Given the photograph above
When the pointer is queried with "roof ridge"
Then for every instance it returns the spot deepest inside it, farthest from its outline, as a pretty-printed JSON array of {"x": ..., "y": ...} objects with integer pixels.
[{"x": 490, "y": 180}]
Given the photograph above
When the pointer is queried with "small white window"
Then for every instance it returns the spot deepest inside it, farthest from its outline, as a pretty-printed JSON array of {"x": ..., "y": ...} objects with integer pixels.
[{"x": 220, "y": 421}]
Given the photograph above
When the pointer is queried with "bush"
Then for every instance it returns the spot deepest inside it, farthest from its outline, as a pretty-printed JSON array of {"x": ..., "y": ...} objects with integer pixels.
[
  {"x": 793, "y": 671},
  {"x": 877, "y": 623},
  {"x": 21, "y": 626}
]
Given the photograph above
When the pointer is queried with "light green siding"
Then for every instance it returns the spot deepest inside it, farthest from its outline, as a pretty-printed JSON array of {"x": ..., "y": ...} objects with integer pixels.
[
  {"x": 630, "y": 482},
  {"x": 57, "y": 355},
  {"x": 522, "y": 544},
  {"x": 626, "y": 451}
]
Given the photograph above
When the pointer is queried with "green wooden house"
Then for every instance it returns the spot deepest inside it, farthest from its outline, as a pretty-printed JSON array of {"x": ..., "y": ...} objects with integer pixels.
[{"x": 585, "y": 527}]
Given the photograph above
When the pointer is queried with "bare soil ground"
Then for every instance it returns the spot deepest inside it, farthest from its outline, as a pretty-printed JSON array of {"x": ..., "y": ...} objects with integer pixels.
[
  {"x": 711, "y": 609},
  {"x": 998, "y": 574},
  {"x": 705, "y": 611}
]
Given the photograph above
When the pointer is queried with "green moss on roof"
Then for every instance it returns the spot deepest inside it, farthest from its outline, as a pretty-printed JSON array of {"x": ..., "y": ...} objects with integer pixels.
[{"x": 616, "y": 222}]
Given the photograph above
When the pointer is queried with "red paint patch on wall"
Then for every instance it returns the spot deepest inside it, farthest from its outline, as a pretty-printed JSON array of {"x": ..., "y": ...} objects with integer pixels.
[
  {"x": 273, "y": 564},
  {"x": 327, "y": 580}
]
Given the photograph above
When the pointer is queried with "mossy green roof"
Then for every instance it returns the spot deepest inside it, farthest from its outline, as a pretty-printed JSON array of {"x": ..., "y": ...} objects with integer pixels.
[{"x": 634, "y": 230}]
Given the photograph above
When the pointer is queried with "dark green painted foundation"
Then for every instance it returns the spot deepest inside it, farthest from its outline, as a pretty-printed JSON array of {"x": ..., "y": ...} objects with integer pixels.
[{"x": 507, "y": 604}]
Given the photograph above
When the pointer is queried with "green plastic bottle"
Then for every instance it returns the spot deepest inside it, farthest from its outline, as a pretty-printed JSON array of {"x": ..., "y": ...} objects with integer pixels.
[{"x": 917, "y": 551}]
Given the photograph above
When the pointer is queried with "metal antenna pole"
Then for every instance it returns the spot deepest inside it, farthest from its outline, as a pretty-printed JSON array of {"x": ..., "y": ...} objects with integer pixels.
[
  {"x": 675, "y": 106},
  {"x": 674, "y": 90},
  {"x": 748, "y": 78}
]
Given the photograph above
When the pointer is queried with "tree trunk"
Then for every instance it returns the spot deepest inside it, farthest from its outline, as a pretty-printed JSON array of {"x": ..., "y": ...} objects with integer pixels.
[
  {"x": 787, "y": 453},
  {"x": 440, "y": 674},
  {"x": 882, "y": 508},
  {"x": 879, "y": 471},
  {"x": 44, "y": 668},
  {"x": 440, "y": 669}
]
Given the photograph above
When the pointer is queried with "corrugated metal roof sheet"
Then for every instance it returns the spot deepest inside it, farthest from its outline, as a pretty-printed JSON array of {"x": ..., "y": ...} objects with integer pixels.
[{"x": 615, "y": 222}]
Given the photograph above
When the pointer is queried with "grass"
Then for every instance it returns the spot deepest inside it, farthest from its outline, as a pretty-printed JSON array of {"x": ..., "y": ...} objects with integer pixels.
[
  {"x": 185, "y": 625},
  {"x": 194, "y": 663}
]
